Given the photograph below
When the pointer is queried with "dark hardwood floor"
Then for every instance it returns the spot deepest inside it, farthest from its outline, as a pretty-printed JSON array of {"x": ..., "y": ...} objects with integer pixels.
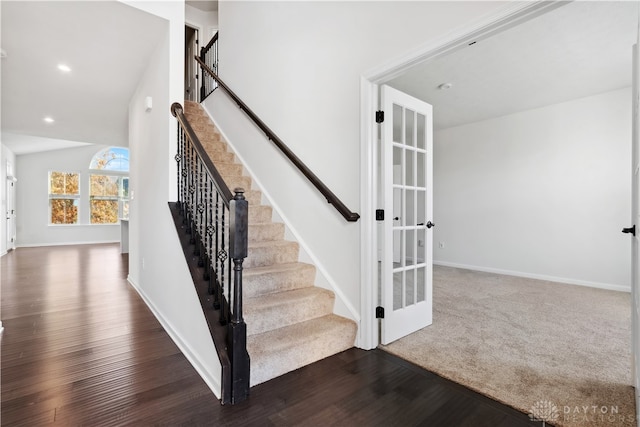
[{"x": 81, "y": 348}]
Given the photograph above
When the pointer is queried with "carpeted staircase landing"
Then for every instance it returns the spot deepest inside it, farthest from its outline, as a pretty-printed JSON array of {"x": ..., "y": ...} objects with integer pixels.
[{"x": 290, "y": 322}]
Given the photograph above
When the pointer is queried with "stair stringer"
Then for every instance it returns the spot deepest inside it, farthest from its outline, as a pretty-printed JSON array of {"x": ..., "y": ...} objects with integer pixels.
[{"x": 342, "y": 307}]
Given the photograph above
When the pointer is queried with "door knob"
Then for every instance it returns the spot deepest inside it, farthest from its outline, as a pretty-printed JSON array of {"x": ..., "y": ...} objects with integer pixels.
[
  {"x": 631, "y": 230},
  {"x": 430, "y": 224}
]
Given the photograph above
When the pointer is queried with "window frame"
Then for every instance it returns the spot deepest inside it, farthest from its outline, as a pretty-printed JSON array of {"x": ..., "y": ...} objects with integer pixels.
[
  {"x": 64, "y": 196},
  {"x": 121, "y": 176},
  {"x": 121, "y": 154}
]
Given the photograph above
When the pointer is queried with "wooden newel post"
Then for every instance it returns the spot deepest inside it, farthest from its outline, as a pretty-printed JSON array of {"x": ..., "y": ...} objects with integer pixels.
[{"x": 237, "y": 337}]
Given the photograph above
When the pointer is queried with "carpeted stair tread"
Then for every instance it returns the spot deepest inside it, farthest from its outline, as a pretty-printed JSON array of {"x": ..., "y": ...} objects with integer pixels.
[
  {"x": 277, "y": 278},
  {"x": 267, "y": 312},
  {"x": 254, "y": 197},
  {"x": 283, "y": 350},
  {"x": 229, "y": 169},
  {"x": 221, "y": 156},
  {"x": 259, "y": 213},
  {"x": 266, "y": 231},
  {"x": 237, "y": 181},
  {"x": 269, "y": 253}
]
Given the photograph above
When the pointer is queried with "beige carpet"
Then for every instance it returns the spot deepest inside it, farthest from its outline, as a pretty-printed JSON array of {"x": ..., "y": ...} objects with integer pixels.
[{"x": 560, "y": 353}]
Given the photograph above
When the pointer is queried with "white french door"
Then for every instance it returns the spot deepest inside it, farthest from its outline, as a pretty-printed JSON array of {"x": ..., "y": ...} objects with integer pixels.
[
  {"x": 635, "y": 218},
  {"x": 11, "y": 212},
  {"x": 407, "y": 168}
]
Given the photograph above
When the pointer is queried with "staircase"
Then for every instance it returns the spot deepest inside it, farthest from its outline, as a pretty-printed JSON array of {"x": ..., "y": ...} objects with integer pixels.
[{"x": 290, "y": 322}]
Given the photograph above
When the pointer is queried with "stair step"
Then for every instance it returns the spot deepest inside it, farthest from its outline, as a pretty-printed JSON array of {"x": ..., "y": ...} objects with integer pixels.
[
  {"x": 221, "y": 156},
  {"x": 269, "y": 253},
  {"x": 254, "y": 197},
  {"x": 268, "y": 312},
  {"x": 212, "y": 146},
  {"x": 283, "y": 350},
  {"x": 277, "y": 278},
  {"x": 229, "y": 169},
  {"x": 208, "y": 134},
  {"x": 237, "y": 181},
  {"x": 258, "y": 214},
  {"x": 266, "y": 231},
  {"x": 203, "y": 127}
]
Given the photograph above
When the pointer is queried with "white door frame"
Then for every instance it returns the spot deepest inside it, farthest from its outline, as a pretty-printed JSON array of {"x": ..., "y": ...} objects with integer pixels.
[
  {"x": 10, "y": 204},
  {"x": 512, "y": 14},
  {"x": 194, "y": 63}
]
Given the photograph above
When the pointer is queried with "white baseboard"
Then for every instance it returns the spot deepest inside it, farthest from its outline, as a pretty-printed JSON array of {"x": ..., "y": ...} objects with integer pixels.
[
  {"x": 212, "y": 382},
  {"x": 565, "y": 280},
  {"x": 637, "y": 393},
  {"x": 38, "y": 245}
]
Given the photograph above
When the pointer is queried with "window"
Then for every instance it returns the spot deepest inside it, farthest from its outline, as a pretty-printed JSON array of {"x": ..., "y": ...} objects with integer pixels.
[
  {"x": 109, "y": 198},
  {"x": 109, "y": 189},
  {"x": 111, "y": 159},
  {"x": 64, "y": 192}
]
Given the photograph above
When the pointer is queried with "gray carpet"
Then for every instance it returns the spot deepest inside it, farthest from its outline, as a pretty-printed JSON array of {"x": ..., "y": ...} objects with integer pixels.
[{"x": 558, "y": 352}]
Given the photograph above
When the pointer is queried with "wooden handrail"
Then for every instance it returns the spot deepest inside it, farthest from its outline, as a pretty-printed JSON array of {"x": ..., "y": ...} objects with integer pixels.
[
  {"x": 211, "y": 42},
  {"x": 328, "y": 194},
  {"x": 178, "y": 112}
]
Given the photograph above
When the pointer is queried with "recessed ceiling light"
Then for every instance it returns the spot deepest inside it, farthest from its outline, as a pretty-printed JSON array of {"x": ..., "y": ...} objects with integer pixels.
[
  {"x": 64, "y": 68},
  {"x": 445, "y": 86},
  {"x": 48, "y": 120}
]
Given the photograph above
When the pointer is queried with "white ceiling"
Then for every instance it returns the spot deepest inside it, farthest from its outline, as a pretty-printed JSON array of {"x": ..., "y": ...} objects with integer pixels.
[
  {"x": 106, "y": 44},
  {"x": 204, "y": 5},
  {"x": 577, "y": 50}
]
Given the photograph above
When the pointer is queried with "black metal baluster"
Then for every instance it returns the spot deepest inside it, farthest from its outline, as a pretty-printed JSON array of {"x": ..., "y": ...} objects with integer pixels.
[
  {"x": 222, "y": 256},
  {"x": 183, "y": 173},
  {"x": 217, "y": 301},
  {"x": 199, "y": 211},
  {"x": 187, "y": 180},
  {"x": 210, "y": 230},
  {"x": 178, "y": 158},
  {"x": 192, "y": 193}
]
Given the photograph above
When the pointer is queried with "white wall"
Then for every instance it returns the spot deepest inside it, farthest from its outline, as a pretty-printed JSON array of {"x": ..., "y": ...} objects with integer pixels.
[
  {"x": 206, "y": 22},
  {"x": 5, "y": 155},
  {"x": 298, "y": 66},
  {"x": 542, "y": 193},
  {"x": 157, "y": 267},
  {"x": 32, "y": 204}
]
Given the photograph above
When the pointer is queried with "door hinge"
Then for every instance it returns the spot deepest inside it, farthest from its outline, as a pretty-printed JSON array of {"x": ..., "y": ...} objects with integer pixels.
[
  {"x": 631, "y": 230},
  {"x": 379, "y": 312},
  {"x": 379, "y": 214},
  {"x": 379, "y": 116}
]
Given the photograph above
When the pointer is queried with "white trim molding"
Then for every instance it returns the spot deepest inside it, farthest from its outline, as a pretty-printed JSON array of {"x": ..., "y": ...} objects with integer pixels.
[
  {"x": 96, "y": 242},
  {"x": 564, "y": 280}
]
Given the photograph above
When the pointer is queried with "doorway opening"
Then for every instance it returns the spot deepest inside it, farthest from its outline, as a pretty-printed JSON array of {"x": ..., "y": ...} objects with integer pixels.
[
  {"x": 191, "y": 78},
  {"x": 11, "y": 210},
  {"x": 370, "y": 160}
]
